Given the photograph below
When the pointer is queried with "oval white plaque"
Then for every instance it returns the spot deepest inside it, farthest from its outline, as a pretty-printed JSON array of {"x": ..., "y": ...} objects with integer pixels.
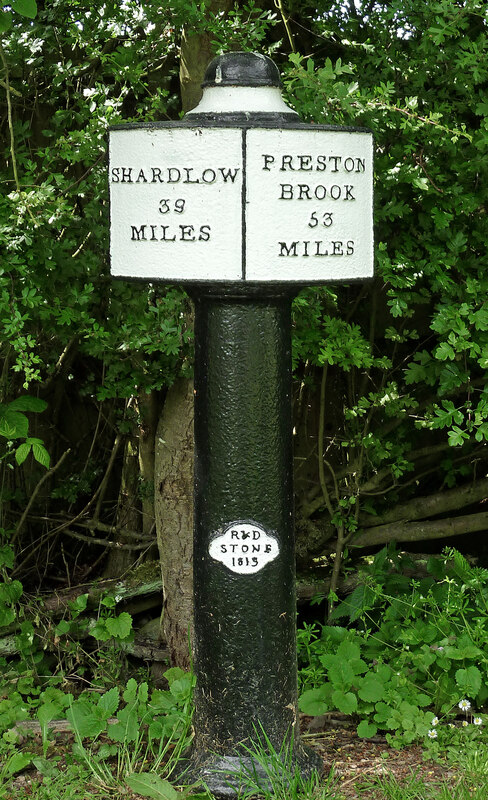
[{"x": 244, "y": 547}]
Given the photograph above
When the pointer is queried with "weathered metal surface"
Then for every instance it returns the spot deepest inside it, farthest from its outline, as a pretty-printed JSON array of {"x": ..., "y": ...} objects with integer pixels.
[{"x": 245, "y": 648}]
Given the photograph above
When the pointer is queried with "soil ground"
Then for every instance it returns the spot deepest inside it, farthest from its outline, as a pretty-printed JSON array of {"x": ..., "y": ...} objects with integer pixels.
[{"x": 357, "y": 761}]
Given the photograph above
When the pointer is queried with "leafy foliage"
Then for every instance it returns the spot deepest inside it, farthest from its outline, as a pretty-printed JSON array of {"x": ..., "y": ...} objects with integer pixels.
[{"x": 417, "y": 647}]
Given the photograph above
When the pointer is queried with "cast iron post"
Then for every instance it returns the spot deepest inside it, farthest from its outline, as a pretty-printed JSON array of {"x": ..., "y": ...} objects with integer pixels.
[{"x": 245, "y": 204}]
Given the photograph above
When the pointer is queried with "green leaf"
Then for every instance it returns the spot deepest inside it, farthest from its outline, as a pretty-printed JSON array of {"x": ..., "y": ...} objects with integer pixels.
[
  {"x": 469, "y": 680},
  {"x": 47, "y": 712},
  {"x": 371, "y": 690},
  {"x": 17, "y": 762},
  {"x": 445, "y": 352},
  {"x": 341, "y": 675},
  {"x": 127, "y": 727},
  {"x": 100, "y": 632},
  {"x": 346, "y": 702},
  {"x": 349, "y": 651},
  {"x": 174, "y": 674},
  {"x": 148, "y": 784},
  {"x": 5, "y": 21},
  {"x": 78, "y": 605},
  {"x": 119, "y": 627},
  {"x": 41, "y": 455},
  {"x": 366, "y": 730},
  {"x": 22, "y": 452},
  {"x": 109, "y": 702},
  {"x": 130, "y": 691},
  {"x": 456, "y": 436},
  {"x": 13, "y": 425},
  {"x": 313, "y": 702},
  {"x": 63, "y": 627},
  {"x": 161, "y": 701},
  {"x": 28, "y": 403},
  {"x": 84, "y": 721},
  {"x": 181, "y": 689},
  {"x": 6, "y": 556},
  {"x": 7, "y": 616},
  {"x": 26, "y": 8},
  {"x": 11, "y": 591}
]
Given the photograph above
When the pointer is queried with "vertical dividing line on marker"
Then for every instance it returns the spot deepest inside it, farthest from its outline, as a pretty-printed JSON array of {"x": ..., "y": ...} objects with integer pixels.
[{"x": 244, "y": 201}]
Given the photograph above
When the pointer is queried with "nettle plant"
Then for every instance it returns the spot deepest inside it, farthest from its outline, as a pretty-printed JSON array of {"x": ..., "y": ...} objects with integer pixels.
[{"x": 418, "y": 647}]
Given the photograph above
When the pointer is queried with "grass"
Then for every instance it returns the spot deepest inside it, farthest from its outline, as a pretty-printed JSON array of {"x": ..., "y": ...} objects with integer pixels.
[
  {"x": 274, "y": 776},
  {"x": 75, "y": 782}
]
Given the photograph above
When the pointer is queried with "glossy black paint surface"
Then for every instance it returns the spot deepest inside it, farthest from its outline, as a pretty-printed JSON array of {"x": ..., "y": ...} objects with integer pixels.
[{"x": 242, "y": 69}]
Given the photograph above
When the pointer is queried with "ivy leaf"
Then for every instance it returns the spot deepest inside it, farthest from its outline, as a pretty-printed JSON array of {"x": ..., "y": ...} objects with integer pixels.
[{"x": 26, "y": 8}]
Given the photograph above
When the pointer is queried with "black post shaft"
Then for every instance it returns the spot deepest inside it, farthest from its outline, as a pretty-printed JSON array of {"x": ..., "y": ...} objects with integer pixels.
[{"x": 245, "y": 636}]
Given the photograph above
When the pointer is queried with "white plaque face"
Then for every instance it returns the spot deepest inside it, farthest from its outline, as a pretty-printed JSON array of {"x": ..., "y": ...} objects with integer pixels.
[
  {"x": 244, "y": 547},
  {"x": 309, "y": 205},
  {"x": 175, "y": 196},
  {"x": 289, "y": 205}
]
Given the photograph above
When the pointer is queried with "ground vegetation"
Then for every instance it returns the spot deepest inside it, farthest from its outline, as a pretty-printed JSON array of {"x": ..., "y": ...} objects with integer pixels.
[{"x": 390, "y": 403}]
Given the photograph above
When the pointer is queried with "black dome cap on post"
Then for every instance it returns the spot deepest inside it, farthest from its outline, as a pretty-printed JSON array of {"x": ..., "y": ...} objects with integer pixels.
[{"x": 242, "y": 69}]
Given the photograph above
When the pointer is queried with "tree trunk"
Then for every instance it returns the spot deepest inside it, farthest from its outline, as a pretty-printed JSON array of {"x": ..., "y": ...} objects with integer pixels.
[
  {"x": 148, "y": 410},
  {"x": 128, "y": 514},
  {"x": 174, "y": 517},
  {"x": 173, "y": 495},
  {"x": 196, "y": 52}
]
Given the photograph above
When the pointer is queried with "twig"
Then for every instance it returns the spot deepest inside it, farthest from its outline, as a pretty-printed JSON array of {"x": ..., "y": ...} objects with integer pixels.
[
  {"x": 320, "y": 443},
  {"x": 106, "y": 543},
  {"x": 34, "y": 494},
  {"x": 10, "y": 118},
  {"x": 286, "y": 23}
]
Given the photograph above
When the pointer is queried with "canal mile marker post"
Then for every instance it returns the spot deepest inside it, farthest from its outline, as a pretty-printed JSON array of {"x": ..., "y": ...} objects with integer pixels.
[{"x": 243, "y": 204}]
